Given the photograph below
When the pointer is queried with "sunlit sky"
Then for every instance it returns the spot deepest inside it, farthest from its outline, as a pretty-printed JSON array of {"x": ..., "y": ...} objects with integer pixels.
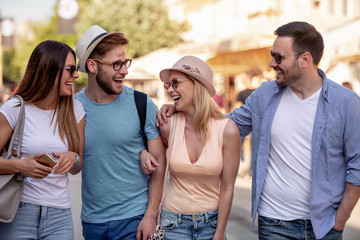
[{"x": 20, "y": 10}]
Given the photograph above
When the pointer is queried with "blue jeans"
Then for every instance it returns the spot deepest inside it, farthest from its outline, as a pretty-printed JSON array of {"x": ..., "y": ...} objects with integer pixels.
[
  {"x": 271, "y": 229},
  {"x": 39, "y": 222},
  {"x": 195, "y": 226},
  {"x": 120, "y": 229}
]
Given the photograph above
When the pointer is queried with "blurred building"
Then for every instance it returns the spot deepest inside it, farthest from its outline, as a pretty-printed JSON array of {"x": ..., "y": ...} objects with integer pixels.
[
  {"x": 67, "y": 11},
  {"x": 235, "y": 36}
]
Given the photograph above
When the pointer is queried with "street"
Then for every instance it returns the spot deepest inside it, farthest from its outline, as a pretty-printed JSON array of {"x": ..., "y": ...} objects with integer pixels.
[{"x": 239, "y": 225}]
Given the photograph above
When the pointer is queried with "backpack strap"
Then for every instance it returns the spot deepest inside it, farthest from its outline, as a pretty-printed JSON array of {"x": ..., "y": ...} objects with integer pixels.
[{"x": 141, "y": 103}]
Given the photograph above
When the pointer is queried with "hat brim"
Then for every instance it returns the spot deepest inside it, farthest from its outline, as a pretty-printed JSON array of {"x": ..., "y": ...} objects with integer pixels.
[
  {"x": 89, "y": 50},
  {"x": 165, "y": 73}
]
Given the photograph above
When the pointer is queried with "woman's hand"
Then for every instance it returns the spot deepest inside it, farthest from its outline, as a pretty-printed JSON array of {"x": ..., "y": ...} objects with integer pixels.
[
  {"x": 31, "y": 168},
  {"x": 66, "y": 160},
  {"x": 147, "y": 162}
]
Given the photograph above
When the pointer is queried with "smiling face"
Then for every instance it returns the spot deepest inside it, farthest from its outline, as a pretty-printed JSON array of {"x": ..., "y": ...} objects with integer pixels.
[
  {"x": 288, "y": 72},
  {"x": 67, "y": 79},
  {"x": 183, "y": 92},
  {"x": 109, "y": 80}
]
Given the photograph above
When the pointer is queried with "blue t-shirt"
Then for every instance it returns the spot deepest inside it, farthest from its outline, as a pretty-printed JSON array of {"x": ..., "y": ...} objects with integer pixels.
[{"x": 113, "y": 185}]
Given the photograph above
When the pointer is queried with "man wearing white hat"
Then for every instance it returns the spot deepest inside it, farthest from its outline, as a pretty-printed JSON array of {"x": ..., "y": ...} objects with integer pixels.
[{"x": 118, "y": 200}]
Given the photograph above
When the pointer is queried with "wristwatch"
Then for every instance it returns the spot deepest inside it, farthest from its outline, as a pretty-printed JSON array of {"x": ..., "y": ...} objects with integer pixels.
[{"x": 78, "y": 160}]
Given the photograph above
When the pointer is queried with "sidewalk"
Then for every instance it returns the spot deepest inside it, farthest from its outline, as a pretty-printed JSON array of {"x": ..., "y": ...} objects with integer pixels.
[
  {"x": 75, "y": 195},
  {"x": 239, "y": 225}
]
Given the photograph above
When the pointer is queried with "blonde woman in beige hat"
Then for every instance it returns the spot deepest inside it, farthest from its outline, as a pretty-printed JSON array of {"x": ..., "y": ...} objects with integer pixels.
[{"x": 204, "y": 158}]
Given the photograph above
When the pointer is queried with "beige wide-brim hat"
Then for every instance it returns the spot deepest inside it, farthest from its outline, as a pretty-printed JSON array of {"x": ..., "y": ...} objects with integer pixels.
[
  {"x": 194, "y": 67},
  {"x": 87, "y": 42}
]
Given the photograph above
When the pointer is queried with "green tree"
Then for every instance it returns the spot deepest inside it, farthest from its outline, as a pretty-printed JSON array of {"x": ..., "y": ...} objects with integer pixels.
[
  {"x": 12, "y": 71},
  {"x": 144, "y": 22},
  {"x": 39, "y": 31}
]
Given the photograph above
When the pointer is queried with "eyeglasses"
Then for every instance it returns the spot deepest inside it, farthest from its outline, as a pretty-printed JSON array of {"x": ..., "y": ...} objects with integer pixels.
[
  {"x": 278, "y": 56},
  {"x": 174, "y": 83},
  {"x": 72, "y": 69},
  {"x": 117, "y": 65}
]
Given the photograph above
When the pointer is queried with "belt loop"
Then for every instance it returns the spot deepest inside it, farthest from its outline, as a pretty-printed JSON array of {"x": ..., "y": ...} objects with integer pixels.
[
  {"x": 206, "y": 217},
  {"x": 179, "y": 218}
]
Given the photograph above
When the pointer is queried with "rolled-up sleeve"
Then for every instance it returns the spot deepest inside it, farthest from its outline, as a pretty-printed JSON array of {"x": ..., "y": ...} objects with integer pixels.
[{"x": 352, "y": 142}]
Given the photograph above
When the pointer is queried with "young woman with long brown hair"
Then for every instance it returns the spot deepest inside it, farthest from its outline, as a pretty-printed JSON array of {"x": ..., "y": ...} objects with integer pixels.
[{"x": 54, "y": 124}]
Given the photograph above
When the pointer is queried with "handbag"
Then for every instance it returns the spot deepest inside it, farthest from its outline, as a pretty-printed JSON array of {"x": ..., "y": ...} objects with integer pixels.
[
  {"x": 12, "y": 185},
  {"x": 159, "y": 232}
]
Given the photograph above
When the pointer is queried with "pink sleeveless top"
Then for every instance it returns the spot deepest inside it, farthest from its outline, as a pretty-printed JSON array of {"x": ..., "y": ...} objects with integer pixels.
[{"x": 195, "y": 188}]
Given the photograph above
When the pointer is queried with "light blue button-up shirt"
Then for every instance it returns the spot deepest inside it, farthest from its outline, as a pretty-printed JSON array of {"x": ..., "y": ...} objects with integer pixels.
[{"x": 335, "y": 145}]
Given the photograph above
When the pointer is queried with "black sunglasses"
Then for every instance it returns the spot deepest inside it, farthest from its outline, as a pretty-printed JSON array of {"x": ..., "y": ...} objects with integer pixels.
[
  {"x": 117, "y": 65},
  {"x": 72, "y": 69},
  {"x": 278, "y": 56}
]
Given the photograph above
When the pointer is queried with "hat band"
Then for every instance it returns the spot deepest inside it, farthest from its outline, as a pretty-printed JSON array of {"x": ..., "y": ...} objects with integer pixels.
[{"x": 95, "y": 39}]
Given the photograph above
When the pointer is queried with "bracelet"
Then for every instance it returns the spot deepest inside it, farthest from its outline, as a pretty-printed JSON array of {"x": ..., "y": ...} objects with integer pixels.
[{"x": 78, "y": 160}]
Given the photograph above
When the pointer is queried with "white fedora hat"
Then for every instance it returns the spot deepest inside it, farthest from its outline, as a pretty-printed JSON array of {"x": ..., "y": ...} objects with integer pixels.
[
  {"x": 87, "y": 42},
  {"x": 194, "y": 67}
]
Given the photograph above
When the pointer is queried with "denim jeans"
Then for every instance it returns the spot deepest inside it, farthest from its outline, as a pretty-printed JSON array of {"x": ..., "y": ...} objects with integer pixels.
[
  {"x": 124, "y": 229},
  {"x": 197, "y": 226},
  {"x": 271, "y": 229},
  {"x": 39, "y": 222}
]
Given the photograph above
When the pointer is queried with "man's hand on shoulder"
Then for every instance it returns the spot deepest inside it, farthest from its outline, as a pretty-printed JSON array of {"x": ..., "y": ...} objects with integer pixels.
[{"x": 167, "y": 110}]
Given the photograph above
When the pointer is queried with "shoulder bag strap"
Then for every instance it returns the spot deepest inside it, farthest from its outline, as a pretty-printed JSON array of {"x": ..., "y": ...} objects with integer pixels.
[
  {"x": 19, "y": 129},
  {"x": 170, "y": 145}
]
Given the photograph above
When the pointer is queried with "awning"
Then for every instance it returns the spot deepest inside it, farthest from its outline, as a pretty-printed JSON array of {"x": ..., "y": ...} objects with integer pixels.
[
  {"x": 253, "y": 61},
  {"x": 245, "y": 42},
  {"x": 241, "y": 53},
  {"x": 149, "y": 66}
]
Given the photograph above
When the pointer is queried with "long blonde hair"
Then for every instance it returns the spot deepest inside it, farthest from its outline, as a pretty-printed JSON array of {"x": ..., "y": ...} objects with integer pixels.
[
  {"x": 205, "y": 108},
  {"x": 45, "y": 63}
]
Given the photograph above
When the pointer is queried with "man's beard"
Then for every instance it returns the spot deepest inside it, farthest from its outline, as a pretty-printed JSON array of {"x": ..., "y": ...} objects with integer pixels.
[
  {"x": 106, "y": 86},
  {"x": 290, "y": 78}
]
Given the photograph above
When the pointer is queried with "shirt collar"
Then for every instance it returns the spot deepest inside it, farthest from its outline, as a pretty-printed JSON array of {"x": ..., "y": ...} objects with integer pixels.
[{"x": 325, "y": 83}]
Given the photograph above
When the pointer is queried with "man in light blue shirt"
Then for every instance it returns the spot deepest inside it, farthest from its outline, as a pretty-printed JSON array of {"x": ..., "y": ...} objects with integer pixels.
[
  {"x": 305, "y": 143},
  {"x": 118, "y": 200}
]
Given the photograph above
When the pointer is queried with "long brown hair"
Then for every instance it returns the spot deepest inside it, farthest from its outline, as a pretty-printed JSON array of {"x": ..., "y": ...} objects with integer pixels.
[{"x": 46, "y": 62}]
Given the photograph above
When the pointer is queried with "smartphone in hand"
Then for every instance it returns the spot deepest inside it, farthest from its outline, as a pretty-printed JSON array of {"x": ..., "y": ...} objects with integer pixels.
[{"x": 46, "y": 160}]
